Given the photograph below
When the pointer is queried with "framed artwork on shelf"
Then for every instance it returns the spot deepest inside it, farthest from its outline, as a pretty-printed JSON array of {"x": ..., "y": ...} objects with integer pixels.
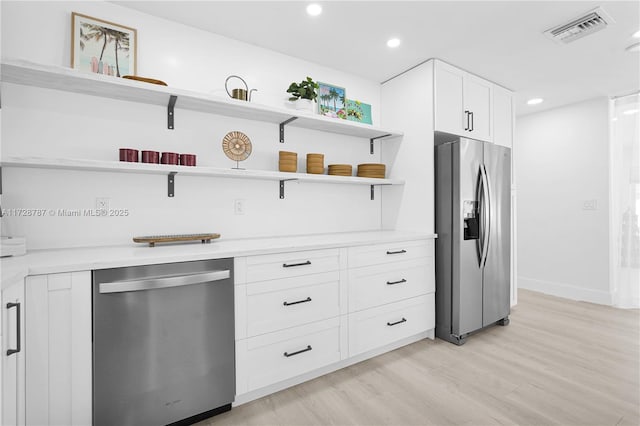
[
  {"x": 331, "y": 101},
  {"x": 358, "y": 111},
  {"x": 102, "y": 47}
]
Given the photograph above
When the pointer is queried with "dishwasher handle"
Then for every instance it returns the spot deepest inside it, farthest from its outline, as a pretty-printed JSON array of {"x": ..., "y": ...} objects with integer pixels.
[{"x": 162, "y": 282}]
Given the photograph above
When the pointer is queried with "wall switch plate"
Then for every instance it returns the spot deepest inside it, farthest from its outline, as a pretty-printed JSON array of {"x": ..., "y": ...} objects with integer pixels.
[
  {"x": 590, "y": 205},
  {"x": 238, "y": 207}
]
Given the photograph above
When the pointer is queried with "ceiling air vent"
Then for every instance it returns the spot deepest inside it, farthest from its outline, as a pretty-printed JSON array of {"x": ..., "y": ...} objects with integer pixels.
[{"x": 589, "y": 23}]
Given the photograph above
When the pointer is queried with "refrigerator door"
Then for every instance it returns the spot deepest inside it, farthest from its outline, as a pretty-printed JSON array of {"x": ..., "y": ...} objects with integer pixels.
[
  {"x": 496, "y": 276},
  {"x": 466, "y": 272}
]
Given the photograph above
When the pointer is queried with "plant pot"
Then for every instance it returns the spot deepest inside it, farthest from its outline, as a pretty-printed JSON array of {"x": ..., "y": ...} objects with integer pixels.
[{"x": 304, "y": 105}]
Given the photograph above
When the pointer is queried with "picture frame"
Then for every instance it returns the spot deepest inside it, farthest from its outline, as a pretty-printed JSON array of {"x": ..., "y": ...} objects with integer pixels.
[
  {"x": 358, "y": 111},
  {"x": 103, "y": 47},
  {"x": 332, "y": 100}
]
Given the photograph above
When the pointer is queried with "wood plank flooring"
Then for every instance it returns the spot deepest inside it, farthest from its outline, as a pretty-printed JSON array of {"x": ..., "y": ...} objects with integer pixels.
[{"x": 559, "y": 362}]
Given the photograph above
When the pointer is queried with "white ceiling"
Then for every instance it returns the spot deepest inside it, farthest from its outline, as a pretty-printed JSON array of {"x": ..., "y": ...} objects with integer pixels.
[{"x": 498, "y": 40}]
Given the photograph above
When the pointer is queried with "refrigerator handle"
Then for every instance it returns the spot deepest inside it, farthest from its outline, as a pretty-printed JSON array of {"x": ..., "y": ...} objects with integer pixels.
[
  {"x": 480, "y": 215},
  {"x": 486, "y": 216}
]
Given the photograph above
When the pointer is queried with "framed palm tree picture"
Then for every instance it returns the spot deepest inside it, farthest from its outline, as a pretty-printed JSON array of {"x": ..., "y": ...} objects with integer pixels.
[
  {"x": 102, "y": 47},
  {"x": 331, "y": 100}
]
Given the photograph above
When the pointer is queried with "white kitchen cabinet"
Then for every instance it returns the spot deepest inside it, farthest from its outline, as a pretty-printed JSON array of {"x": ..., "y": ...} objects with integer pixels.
[
  {"x": 302, "y": 314},
  {"x": 462, "y": 103},
  {"x": 503, "y": 116},
  {"x": 279, "y": 304},
  {"x": 286, "y": 353},
  {"x": 13, "y": 354},
  {"x": 58, "y": 375},
  {"x": 449, "y": 99},
  {"x": 379, "y": 326},
  {"x": 381, "y": 284}
]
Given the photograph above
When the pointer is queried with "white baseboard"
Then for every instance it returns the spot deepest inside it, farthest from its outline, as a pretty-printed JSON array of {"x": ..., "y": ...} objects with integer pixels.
[
  {"x": 566, "y": 290},
  {"x": 259, "y": 393}
]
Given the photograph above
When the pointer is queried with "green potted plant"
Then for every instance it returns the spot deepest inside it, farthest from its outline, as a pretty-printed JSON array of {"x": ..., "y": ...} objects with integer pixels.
[{"x": 303, "y": 94}]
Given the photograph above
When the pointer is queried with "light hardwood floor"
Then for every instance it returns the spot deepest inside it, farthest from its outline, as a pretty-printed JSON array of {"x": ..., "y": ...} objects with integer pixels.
[{"x": 558, "y": 362}]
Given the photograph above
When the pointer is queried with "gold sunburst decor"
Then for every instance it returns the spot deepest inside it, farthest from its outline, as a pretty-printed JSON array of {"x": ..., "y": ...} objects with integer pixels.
[{"x": 237, "y": 146}]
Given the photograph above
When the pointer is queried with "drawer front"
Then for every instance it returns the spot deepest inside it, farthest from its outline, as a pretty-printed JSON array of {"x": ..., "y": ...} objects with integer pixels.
[
  {"x": 378, "y": 285},
  {"x": 294, "y": 264},
  {"x": 380, "y": 326},
  {"x": 294, "y": 304},
  {"x": 389, "y": 253},
  {"x": 274, "y": 357}
]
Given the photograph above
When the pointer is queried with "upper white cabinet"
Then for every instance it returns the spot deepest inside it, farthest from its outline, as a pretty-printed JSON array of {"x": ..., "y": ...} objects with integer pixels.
[
  {"x": 449, "y": 100},
  {"x": 503, "y": 112},
  {"x": 463, "y": 103}
]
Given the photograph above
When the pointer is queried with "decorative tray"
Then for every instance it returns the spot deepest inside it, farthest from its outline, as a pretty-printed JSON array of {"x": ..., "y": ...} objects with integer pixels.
[{"x": 153, "y": 239}]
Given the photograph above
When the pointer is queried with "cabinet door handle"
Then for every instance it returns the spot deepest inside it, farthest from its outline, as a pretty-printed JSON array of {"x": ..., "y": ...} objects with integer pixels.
[
  {"x": 307, "y": 349},
  {"x": 396, "y": 252},
  {"x": 471, "y": 114},
  {"x": 391, "y": 324},
  {"x": 291, "y": 265},
  {"x": 466, "y": 113},
  {"x": 17, "y": 349},
  {"x": 308, "y": 299},
  {"x": 396, "y": 282}
]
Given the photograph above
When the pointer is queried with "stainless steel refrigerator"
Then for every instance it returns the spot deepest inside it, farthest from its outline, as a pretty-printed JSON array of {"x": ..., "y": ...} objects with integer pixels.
[{"x": 473, "y": 248}]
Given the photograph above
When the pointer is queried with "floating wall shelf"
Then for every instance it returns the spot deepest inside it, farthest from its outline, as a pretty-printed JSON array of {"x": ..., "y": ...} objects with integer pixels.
[
  {"x": 71, "y": 80},
  {"x": 172, "y": 171}
]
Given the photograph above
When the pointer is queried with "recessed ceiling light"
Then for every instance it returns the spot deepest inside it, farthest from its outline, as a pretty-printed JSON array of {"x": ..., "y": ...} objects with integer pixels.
[
  {"x": 314, "y": 9},
  {"x": 535, "y": 101},
  {"x": 630, "y": 111},
  {"x": 393, "y": 42},
  {"x": 636, "y": 34},
  {"x": 633, "y": 48}
]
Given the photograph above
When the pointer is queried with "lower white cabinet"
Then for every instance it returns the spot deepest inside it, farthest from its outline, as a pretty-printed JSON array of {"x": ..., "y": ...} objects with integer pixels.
[
  {"x": 58, "y": 359},
  {"x": 13, "y": 355},
  {"x": 277, "y": 356},
  {"x": 279, "y": 304},
  {"x": 357, "y": 301},
  {"x": 385, "y": 324},
  {"x": 382, "y": 284}
]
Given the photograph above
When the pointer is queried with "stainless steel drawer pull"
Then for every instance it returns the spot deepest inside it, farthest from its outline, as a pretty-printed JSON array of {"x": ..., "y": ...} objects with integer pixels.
[
  {"x": 391, "y": 324},
  {"x": 163, "y": 282},
  {"x": 291, "y": 265},
  {"x": 396, "y": 252},
  {"x": 308, "y": 299},
  {"x": 17, "y": 349},
  {"x": 396, "y": 282},
  {"x": 307, "y": 349}
]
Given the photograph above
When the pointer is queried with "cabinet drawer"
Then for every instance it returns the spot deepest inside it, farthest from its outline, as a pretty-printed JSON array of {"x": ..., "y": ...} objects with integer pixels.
[
  {"x": 388, "y": 253},
  {"x": 381, "y": 284},
  {"x": 290, "y": 302},
  {"x": 274, "y": 357},
  {"x": 283, "y": 265},
  {"x": 380, "y": 326}
]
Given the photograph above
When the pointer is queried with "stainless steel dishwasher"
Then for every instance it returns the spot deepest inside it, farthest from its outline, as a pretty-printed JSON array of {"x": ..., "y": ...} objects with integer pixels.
[{"x": 163, "y": 343}]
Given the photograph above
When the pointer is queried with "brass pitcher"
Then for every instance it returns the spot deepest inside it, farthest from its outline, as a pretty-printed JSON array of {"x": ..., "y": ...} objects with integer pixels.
[{"x": 241, "y": 94}]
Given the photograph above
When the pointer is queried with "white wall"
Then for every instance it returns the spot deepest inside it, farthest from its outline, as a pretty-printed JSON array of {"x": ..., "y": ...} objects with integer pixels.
[
  {"x": 48, "y": 123},
  {"x": 562, "y": 162},
  {"x": 407, "y": 104}
]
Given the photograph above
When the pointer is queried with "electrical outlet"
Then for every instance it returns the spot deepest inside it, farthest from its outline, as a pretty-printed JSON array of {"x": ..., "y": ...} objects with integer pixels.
[
  {"x": 238, "y": 207},
  {"x": 102, "y": 206},
  {"x": 590, "y": 205}
]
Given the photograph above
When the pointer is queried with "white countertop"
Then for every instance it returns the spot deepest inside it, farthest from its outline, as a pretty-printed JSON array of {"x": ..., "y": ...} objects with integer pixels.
[{"x": 39, "y": 262}]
